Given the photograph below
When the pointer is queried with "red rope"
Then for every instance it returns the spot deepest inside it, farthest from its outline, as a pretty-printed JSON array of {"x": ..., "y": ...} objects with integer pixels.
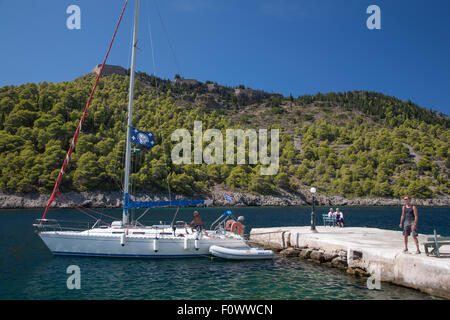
[
  {"x": 56, "y": 192},
  {"x": 79, "y": 208},
  {"x": 101, "y": 213},
  {"x": 89, "y": 209}
]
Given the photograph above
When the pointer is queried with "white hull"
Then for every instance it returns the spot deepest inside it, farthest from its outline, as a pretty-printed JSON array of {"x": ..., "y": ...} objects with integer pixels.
[
  {"x": 114, "y": 243},
  {"x": 240, "y": 253}
]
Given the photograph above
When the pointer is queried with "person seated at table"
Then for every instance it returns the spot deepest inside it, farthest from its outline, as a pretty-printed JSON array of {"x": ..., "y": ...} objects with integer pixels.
[{"x": 331, "y": 213}]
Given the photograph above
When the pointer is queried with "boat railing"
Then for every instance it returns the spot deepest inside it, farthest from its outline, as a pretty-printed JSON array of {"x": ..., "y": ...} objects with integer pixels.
[
  {"x": 219, "y": 223},
  {"x": 65, "y": 225},
  {"x": 155, "y": 224}
]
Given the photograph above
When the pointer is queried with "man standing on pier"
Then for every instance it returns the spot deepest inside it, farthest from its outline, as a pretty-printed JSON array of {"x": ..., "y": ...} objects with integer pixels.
[{"x": 411, "y": 217}]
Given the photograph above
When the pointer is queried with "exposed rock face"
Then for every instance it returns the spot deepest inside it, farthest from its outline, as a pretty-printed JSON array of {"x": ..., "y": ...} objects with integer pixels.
[
  {"x": 334, "y": 259},
  {"x": 247, "y": 199},
  {"x": 109, "y": 70},
  {"x": 329, "y": 256},
  {"x": 206, "y": 100},
  {"x": 358, "y": 272},
  {"x": 187, "y": 83},
  {"x": 285, "y": 199},
  {"x": 213, "y": 87},
  {"x": 114, "y": 200},
  {"x": 86, "y": 199},
  {"x": 339, "y": 262},
  {"x": 250, "y": 96},
  {"x": 318, "y": 255},
  {"x": 305, "y": 253},
  {"x": 290, "y": 252},
  {"x": 212, "y": 91}
]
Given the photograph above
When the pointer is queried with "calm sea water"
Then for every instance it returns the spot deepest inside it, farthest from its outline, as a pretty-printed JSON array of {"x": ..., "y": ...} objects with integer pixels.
[{"x": 29, "y": 271}]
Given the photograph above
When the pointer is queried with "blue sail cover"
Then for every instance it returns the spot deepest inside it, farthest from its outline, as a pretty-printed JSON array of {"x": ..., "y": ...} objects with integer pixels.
[{"x": 158, "y": 204}]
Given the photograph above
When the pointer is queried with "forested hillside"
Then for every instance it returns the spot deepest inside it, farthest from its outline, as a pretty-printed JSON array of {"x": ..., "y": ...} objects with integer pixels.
[{"x": 353, "y": 144}]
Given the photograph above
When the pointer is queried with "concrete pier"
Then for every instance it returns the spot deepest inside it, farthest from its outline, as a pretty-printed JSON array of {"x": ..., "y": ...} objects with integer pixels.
[{"x": 363, "y": 252}]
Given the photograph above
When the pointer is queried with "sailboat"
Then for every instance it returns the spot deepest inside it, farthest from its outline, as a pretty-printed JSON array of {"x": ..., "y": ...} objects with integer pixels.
[{"x": 128, "y": 238}]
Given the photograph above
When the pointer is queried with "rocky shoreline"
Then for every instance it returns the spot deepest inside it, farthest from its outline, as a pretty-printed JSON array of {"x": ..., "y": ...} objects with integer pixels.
[{"x": 114, "y": 200}]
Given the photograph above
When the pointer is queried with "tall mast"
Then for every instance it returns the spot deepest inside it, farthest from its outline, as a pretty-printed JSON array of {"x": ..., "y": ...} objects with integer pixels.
[{"x": 130, "y": 117}]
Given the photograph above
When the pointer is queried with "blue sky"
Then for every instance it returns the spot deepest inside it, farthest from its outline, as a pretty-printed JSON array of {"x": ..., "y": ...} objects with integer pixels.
[{"x": 286, "y": 46}]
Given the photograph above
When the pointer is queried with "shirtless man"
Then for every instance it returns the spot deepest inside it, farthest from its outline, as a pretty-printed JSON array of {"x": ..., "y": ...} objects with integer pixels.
[{"x": 197, "y": 222}]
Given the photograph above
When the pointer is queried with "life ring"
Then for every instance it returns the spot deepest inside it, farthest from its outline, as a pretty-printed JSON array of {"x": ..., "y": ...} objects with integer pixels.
[
  {"x": 237, "y": 226},
  {"x": 228, "y": 224}
]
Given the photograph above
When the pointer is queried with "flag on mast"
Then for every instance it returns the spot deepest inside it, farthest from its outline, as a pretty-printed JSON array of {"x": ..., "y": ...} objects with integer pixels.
[
  {"x": 146, "y": 139},
  {"x": 228, "y": 198},
  {"x": 135, "y": 149}
]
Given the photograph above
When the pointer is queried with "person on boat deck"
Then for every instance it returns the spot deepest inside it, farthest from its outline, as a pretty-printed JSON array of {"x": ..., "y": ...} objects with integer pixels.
[
  {"x": 339, "y": 218},
  {"x": 197, "y": 222},
  {"x": 410, "y": 217},
  {"x": 241, "y": 221}
]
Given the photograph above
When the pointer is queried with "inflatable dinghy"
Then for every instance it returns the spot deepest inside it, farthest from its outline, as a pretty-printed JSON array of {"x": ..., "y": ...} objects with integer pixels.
[{"x": 241, "y": 253}]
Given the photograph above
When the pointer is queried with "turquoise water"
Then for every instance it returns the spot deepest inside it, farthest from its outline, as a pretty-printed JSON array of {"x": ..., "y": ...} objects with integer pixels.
[{"x": 29, "y": 271}]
